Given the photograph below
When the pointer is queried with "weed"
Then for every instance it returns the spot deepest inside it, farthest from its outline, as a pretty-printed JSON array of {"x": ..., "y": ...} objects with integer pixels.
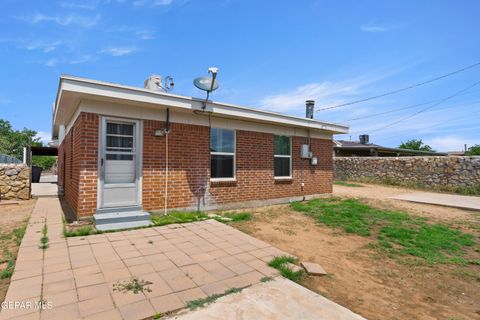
[
  {"x": 199, "y": 303},
  {"x": 266, "y": 279},
  {"x": 347, "y": 184},
  {"x": 8, "y": 271},
  {"x": 134, "y": 285},
  {"x": 18, "y": 234},
  {"x": 397, "y": 233},
  {"x": 158, "y": 316},
  {"x": 84, "y": 231},
  {"x": 44, "y": 239}
]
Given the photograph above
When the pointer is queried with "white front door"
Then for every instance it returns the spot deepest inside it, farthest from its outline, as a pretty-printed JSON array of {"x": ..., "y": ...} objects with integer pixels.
[{"x": 119, "y": 163}]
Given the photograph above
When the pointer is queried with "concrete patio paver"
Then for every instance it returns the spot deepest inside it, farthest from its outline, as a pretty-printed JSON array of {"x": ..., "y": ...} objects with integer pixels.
[{"x": 77, "y": 275}]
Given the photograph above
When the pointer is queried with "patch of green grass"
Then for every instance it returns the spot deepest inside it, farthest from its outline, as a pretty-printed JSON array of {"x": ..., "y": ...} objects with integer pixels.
[
  {"x": 351, "y": 215},
  {"x": 238, "y": 216},
  {"x": 178, "y": 217},
  {"x": 199, "y": 303},
  {"x": 280, "y": 263},
  {"x": 347, "y": 184},
  {"x": 397, "y": 233},
  {"x": 84, "y": 231}
]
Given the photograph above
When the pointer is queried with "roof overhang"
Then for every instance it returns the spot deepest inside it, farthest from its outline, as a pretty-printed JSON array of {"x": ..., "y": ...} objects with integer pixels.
[{"x": 72, "y": 90}]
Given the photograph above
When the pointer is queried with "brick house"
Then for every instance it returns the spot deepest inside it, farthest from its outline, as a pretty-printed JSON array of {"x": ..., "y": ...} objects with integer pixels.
[{"x": 124, "y": 149}]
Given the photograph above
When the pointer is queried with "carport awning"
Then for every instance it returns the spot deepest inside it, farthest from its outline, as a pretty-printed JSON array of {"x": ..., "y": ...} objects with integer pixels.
[{"x": 44, "y": 151}]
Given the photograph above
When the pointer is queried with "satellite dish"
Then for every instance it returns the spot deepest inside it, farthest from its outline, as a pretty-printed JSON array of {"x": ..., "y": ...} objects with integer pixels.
[{"x": 205, "y": 84}]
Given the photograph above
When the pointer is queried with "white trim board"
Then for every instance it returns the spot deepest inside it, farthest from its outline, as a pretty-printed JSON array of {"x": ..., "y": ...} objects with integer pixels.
[{"x": 72, "y": 90}]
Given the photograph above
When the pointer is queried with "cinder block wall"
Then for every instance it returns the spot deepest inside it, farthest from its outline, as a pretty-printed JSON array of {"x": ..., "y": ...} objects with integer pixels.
[{"x": 189, "y": 167}]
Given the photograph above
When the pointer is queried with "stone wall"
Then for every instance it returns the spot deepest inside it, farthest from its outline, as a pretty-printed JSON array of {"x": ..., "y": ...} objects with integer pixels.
[
  {"x": 14, "y": 181},
  {"x": 442, "y": 173}
]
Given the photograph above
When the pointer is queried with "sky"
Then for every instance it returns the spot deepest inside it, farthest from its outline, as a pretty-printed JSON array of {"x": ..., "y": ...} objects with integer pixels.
[{"x": 271, "y": 55}]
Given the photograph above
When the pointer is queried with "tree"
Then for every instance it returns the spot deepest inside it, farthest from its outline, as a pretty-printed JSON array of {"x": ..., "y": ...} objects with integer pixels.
[
  {"x": 13, "y": 141},
  {"x": 473, "y": 150},
  {"x": 415, "y": 144}
]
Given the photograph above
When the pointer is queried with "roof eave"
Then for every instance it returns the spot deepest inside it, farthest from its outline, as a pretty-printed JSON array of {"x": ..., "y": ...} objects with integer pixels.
[{"x": 117, "y": 91}]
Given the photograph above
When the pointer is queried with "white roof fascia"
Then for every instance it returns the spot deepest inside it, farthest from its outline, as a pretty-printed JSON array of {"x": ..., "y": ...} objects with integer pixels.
[{"x": 135, "y": 94}]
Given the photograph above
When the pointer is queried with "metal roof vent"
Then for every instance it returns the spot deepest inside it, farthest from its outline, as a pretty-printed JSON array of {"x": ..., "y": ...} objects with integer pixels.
[
  {"x": 310, "y": 106},
  {"x": 364, "y": 138}
]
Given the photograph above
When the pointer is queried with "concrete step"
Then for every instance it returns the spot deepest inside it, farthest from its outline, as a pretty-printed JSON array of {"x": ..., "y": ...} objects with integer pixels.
[
  {"x": 121, "y": 220},
  {"x": 123, "y": 225}
]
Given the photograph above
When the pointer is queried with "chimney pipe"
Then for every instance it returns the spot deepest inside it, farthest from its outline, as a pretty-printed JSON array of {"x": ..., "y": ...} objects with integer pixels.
[{"x": 310, "y": 106}]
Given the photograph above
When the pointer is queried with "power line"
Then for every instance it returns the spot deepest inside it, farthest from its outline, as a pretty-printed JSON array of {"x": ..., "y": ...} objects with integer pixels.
[
  {"x": 401, "y": 89},
  {"x": 401, "y": 108},
  {"x": 425, "y": 109}
]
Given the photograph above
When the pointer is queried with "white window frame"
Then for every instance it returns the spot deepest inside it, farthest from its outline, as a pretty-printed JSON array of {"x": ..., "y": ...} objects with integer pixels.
[
  {"x": 234, "y": 154},
  {"x": 282, "y": 156}
]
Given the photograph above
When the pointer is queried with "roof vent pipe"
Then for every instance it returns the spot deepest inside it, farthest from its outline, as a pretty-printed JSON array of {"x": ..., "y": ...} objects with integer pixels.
[{"x": 310, "y": 105}]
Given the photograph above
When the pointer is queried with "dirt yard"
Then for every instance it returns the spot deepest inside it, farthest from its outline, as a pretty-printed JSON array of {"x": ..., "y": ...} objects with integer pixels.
[
  {"x": 13, "y": 219},
  {"x": 365, "y": 280}
]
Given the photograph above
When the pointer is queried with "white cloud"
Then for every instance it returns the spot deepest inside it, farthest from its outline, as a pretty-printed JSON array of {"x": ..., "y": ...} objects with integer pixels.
[
  {"x": 4, "y": 100},
  {"x": 66, "y": 20},
  {"x": 73, "y": 5},
  {"x": 45, "y": 46},
  {"x": 370, "y": 27},
  {"x": 152, "y": 3},
  {"x": 82, "y": 59},
  {"x": 324, "y": 93},
  {"x": 119, "y": 51},
  {"x": 51, "y": 62},
  {"x": 145, "y": 34},
  {"x": 450, "y": 143},
  {"x": 45, "y": 137}
]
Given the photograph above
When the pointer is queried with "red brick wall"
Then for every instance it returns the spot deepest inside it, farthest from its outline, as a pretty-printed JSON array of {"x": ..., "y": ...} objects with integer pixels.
[
  {"x": 189, "y": 163},
  {"x": 78, "y": 173},
  {"x": 189, "y": 167}
]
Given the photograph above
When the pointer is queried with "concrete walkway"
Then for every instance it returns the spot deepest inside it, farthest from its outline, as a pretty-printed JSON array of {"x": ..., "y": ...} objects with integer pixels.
[
  {"x": 280, "y": 299},
  {"x": 47, "y": 187},
  {"x": 442, "y": 199},
  {"x": 77, "y": 275}
]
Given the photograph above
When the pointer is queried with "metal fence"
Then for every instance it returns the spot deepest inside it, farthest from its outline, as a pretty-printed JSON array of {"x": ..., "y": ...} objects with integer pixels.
[{"x": 8, "y": 159}]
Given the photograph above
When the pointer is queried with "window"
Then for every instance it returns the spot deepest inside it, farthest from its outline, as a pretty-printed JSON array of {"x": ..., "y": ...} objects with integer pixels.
[
  {"x": 120, "y": 141},
  {"x": 282, "y": 156},
  {"x": 222, "y": 153}
]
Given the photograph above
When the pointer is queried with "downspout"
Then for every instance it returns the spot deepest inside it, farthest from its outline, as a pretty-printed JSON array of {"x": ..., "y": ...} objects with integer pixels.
[{"x": 167, "y": 131}]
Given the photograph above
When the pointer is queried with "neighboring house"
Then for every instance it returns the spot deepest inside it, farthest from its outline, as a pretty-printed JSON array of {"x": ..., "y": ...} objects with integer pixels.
[
  {"x": 129, "y": 149},
  {"x": 363, "y": 148}
]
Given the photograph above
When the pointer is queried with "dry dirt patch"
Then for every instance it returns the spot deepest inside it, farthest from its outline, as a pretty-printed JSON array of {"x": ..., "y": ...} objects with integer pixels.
[
  {"x": 12, "y": 217},
  {"x": 366, "y": 281}
]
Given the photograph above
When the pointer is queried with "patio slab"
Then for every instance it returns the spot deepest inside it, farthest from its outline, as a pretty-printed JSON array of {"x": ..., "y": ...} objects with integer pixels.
[
  {"x": 442, "y": 199},
  {"x": 78, "y": 275},
  {"x": 280, "y": 299}
]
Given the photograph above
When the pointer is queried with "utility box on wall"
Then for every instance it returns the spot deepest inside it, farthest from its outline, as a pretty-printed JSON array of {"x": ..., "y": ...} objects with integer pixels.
[{"x": 305, "y": 151}]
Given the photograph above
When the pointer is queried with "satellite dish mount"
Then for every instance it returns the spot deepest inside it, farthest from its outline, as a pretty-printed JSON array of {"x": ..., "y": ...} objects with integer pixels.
[{"x": 207, "y": 84}]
